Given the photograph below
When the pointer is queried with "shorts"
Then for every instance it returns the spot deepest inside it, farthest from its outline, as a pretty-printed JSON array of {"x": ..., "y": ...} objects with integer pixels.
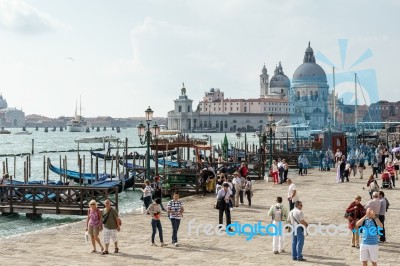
[
  {"x": 94, "y": 230},
  {"x": 369, "y": 253},
  {"x": 396, "y": 167},
  {"x": 110, "y": 233}
]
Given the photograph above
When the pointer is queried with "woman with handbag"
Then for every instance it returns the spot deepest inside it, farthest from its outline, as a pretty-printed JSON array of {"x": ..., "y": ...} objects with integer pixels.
[
  {"x": 94, "y": 224},
  {"x": 355, "y": 212},
  {"x": 155, "y": 212}
]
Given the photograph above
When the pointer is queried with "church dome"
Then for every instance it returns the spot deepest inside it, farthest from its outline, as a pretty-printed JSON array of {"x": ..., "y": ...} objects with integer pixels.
[
  {"x": 309, "y": 71},
  {"x": 3, "y": 103},
  {"x": 279, "y": 80}
]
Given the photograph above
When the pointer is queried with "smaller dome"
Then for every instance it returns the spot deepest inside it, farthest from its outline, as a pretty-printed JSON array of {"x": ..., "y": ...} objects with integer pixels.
[
  {"x": 279, "y": 80},
  {"x": 309, "y": 49},
  {"x": 212, "y": 90},
  {"x": 3, "y": 103}
]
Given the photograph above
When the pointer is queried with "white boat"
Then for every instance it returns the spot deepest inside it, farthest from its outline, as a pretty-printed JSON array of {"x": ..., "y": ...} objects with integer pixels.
[
  {"x": 165, "y": 131},
  {"x": 77, "y": 124},
  {"x": 97, "y": 139},
  {"x": 296, "y": 130},
  {"x": 23, "y": 133}
]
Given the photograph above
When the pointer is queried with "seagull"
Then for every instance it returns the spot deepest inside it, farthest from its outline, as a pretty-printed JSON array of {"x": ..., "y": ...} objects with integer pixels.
[{"x": 70, "y": 58}]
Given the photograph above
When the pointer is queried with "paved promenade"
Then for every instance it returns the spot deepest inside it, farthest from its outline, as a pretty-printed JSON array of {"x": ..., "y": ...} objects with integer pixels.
[{"x": 324, "y": 201}]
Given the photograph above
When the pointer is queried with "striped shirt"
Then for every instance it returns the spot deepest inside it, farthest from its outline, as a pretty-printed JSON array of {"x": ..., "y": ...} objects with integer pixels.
[{"x": 175, "y": 209}]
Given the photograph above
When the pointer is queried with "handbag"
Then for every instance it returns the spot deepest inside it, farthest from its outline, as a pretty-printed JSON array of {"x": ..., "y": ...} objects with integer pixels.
[
  {"x": 220, "y": 203},
  {"x": 142, "y": 198}
]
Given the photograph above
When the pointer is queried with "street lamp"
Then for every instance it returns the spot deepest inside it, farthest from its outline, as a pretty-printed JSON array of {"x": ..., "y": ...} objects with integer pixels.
[
  {"x": 270, "y": 128},
  {"x": 329, "y": 132},
  {"x": 387, "y": 133},
  {"x": 146, "y": 134}
]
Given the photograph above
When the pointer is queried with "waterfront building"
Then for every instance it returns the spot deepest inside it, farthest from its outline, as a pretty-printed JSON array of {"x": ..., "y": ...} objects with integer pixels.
[
  {"x": 10, "y": 116},
  {"x": 182, "y": 118}
]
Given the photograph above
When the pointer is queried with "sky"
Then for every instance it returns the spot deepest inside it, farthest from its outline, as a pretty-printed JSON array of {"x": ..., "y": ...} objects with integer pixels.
[{"x": 119, "y": 57}]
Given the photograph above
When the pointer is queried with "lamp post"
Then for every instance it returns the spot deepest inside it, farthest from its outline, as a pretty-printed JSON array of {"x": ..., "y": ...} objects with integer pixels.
[
  {"x": 146, "y": 134},
  {"x": 387, "y": 133},
  {"x": 271, "y": 127},
  {"x": 262, "y": 139},
  {"x": 329, "y": 132}
]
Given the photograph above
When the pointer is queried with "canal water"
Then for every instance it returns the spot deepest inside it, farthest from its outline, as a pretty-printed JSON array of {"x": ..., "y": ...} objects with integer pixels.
[{"x": 55, "y": 144}]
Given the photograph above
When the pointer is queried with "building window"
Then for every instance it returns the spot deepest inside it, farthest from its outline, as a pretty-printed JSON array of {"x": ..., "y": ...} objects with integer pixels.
[
  {"x": 179, "y": 109},
  {"x": 237, "y": 108},
  {"x": 245, "y": 109},
  {"x": 188, "y": 109}
]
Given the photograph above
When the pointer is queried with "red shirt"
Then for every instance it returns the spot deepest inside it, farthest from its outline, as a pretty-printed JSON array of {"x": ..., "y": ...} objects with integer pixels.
[{"x": 390, "y": 169}]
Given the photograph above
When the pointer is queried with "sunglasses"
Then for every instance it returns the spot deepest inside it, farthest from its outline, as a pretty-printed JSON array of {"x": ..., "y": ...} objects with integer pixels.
[{"x": 92, "y": 204}]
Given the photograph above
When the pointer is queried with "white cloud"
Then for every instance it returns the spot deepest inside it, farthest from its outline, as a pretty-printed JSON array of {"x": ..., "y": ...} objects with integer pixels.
[{"x": 17, "y": 15}]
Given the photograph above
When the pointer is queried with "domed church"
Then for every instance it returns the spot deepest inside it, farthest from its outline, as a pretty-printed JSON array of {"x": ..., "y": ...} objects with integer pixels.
[
  {"x": 10, "y": 117},
  {"x": 310, "y": 91}
]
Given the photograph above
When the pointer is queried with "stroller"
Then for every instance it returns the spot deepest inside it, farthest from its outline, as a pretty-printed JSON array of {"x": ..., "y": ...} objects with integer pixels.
[{"x": 386, "y": 182}]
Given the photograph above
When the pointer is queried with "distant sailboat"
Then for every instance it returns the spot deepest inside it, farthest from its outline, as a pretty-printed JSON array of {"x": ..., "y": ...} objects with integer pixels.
[{"x": 77, "y": 124}]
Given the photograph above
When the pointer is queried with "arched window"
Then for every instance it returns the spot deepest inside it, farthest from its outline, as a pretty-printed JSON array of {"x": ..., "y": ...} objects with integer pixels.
[{"x": 298, "y": 96}]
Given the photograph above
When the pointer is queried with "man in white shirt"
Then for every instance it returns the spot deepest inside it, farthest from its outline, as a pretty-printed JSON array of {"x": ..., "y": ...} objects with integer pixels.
[
  {"x": 292, "y": 194},
  {"x": 279, "y": 213},
  {"x": 296, "y": 217}
]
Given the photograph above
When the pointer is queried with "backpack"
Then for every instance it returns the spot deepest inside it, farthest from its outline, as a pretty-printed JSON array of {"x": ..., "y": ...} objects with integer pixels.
[
  {"x": 387, "y": 204},
  {"x": 374, "y": 186},
  {"x": 277, "y": 215}
]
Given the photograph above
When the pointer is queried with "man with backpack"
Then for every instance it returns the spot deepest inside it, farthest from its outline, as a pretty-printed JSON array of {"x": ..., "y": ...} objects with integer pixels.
[
  {"x": 279, "y": 213},
  {"x": 382, "y": 212}
]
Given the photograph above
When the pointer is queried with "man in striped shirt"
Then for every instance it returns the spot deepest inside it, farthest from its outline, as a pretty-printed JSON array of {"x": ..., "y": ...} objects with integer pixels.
[{"x": 175, "y": 213}]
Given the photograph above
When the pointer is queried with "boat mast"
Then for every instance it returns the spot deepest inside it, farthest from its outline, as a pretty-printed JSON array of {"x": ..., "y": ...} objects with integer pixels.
[
  {"x": 80, "y": 105},
  {"x": 355, "y": 107},
  {"x": 334, "y": 99}
]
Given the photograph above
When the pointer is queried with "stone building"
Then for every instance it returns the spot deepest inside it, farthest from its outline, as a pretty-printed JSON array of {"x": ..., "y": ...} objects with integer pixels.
[{"x": 9, "y": 116}]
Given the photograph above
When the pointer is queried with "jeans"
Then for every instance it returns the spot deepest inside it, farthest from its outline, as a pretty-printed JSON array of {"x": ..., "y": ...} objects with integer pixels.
[
  {"x": 383, "y": 236},
  {"x": 241, "y": 196},
  {"x": 248, "y": 194},
  {"x": 175, "y": 226},
  {"x": 285, "y": 175},
  {"x": 297, "y": 243},
  {"x": 156, "y": 224}
]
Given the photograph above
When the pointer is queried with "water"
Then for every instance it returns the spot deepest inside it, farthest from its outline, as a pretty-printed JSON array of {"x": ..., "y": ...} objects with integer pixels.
[{"x": 58, "y": 141}]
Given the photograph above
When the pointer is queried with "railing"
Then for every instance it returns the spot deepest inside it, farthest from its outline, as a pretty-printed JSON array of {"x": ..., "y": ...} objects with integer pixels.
[
  {"x": 182, "y": 182},
  {"x": 37, "y": 199}
]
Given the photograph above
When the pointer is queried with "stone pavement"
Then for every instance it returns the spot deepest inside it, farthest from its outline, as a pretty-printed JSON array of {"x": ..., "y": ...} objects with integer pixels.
[{"x": 324, "y": 201}]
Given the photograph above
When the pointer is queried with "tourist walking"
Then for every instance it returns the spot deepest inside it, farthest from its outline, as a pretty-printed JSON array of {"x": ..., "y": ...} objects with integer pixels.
[
  {"x": 94, "y": 224},
  {"x": 355, "y": 212},
  {"x": 372, "y": 185},
  {"x": 204, "y": 179},
  {"x": 111, "y": 227},
  {"x": 296, "y": 217},
  {"x": 300, "y": 164},
  {"x": 281, "y": 169},
  {"x": 237, "y": 182},
  {"x": 158, "y": 191},
  {"x": 305, "y": 164},
  {"x": 223, "y": 205},
  {"x": 369, "y": 242},
  {"x": 382, "y": 213},
  {"x": 154, "y": 211},
  {"x": 275, "y": 172},
  {"x": 292, "y": 194},
  {"x": 285, "y": 171},
  {"x": 279, "y": 214},
  {"x": 175, "y": 212},
  {"x": 248, "y": 188},
  {"x": 147, "y": 190},
  {"x": 392, "y": 173},
  {"x": 374, "y": 204}
]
